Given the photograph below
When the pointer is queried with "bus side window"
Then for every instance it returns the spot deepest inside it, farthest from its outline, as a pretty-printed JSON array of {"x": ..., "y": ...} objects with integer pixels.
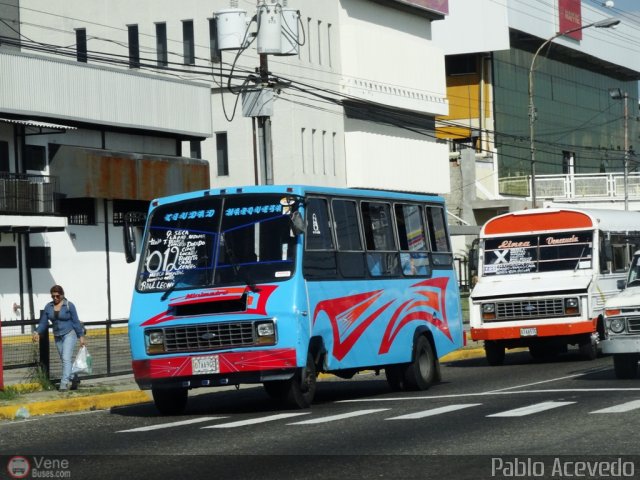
[
  {"x": 350, "y": 255},
  {"x": 605, "y": 256},
  {"x": 414, "y": 256},
  {"x": 440, "y": 247},
  {"x": 319, "y": 260},
  {"x": 382, "y": 255}
]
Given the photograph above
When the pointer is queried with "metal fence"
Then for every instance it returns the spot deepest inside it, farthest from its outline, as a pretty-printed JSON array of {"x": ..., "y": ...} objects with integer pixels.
[
  {"x": 107, "y": 342},
  {"x": 462, "y": 269}
]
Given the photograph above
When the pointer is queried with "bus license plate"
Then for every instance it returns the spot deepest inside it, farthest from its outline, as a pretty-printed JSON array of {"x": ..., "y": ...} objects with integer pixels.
[
  {"x": 528, "y": 332},
  {"x": 202, "y": 365}
]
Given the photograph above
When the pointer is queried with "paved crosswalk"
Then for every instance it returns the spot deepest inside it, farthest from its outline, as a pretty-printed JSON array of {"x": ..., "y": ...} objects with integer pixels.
[{"x": 220, "y": 422}]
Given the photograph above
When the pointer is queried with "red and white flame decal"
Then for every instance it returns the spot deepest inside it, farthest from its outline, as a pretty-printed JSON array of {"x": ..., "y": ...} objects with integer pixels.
[{"x": 349, "y": 321}]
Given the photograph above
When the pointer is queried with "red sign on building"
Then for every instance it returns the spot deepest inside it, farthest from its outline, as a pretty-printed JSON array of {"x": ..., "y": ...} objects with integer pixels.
[{"x": 570, "y": 17}]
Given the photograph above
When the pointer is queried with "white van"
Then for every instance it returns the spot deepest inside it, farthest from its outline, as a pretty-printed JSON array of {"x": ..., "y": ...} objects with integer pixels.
[{"x": 622, "y": 321}]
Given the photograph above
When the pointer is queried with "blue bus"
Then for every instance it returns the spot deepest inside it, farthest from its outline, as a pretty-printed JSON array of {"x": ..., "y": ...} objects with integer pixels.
[{"x": 276, "y": 284}]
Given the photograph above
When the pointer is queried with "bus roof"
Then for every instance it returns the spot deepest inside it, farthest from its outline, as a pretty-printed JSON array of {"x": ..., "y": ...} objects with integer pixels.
[
  {"x": 304, "y": 190},
  {"x": 557, "y": 219}
]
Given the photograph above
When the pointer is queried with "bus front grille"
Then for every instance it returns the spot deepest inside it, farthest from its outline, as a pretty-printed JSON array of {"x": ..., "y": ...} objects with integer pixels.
[
  {"x": 209, "y": 336},
  {"x": 633, "y": 324},
  {"x": 526, "y": 309}
]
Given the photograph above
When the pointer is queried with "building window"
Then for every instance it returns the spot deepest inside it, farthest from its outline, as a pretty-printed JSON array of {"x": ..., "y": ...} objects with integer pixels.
[
  {"x": 195, "y": 149},
  {"x": 216, "y": 55},
  {"x": 161, "y": 45},
  {"x": 4, "y": 156},
  {"x": 134, "y": 47},
  {"x": 309, "y": 37},
  {"x": 329, "y": 44},
  {"x": 120, "y": 207},
  {"x": 35, "y": 158},
  {"x": 40, "y": 257},
  {"x": 222, "y": 154},
  {"x": 319, "y": 42},
  {"x": 79, "y": 211},
  {"x": 8, "y": 257},
  {"x": 188, "y": 43},
  {"x": 81, "y": 44},
  {"x": 303, "y": 148},
  {"x": 461, "y": 64}
]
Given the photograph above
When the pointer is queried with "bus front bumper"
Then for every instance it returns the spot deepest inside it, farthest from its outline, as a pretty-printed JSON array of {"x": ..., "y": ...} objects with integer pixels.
[
  {"x": 212, "y": 369},
  {"x": 531, "y": 331},
  {"x": 621, "y": 344}
]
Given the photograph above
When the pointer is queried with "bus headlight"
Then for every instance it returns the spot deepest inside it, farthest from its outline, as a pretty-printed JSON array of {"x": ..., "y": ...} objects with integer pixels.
[
  {"x": 155, "y": 341},
  {"x": 266, "y": 332},
  {"x": 616, "y": 325},
  {"x": 488, "y": 311},
  {"x": 571, "y": 306}
]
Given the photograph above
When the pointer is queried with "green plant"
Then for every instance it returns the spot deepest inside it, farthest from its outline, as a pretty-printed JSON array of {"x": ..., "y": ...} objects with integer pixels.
[
  {"x": 9, "y": 393},
  {"x": 37, "y": 374}
]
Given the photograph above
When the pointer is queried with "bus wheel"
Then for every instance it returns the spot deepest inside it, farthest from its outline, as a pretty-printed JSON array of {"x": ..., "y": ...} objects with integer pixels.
[
  {"x": 170, "y": 401},
  {"x": 302, "y": 387},
  {"x": 589, "y": 347},
  {"x": 625, "y": 365},
  {"x": 494, "y": 353},
  {"x": 420, "y": 373}
]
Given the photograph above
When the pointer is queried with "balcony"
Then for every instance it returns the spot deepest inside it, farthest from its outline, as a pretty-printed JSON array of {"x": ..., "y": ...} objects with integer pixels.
[
  {"x": 581, "y": 186},
  {"x": 24, "y": 194}
]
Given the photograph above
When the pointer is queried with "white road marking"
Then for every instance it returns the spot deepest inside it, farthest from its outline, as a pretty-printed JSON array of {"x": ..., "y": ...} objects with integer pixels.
[
  {"x": 434, "y": 411},
  {"x": 530, "y": 409},
  {"x": 254, "y": 421},
  {"x": 333, "y": 418},
  {"x": 623, "y": 407},
  {"x": 485, "y": 394},
  {"x": 170, "y": 425}
]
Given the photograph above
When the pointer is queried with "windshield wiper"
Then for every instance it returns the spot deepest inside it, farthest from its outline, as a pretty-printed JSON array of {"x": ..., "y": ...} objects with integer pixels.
[
  {"x": 240, "y": 273},
  {"x": 579, "y": 259}
]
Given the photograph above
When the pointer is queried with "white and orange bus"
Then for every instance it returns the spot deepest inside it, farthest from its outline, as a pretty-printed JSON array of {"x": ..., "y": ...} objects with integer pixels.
[{"x": 544, "y": 275}]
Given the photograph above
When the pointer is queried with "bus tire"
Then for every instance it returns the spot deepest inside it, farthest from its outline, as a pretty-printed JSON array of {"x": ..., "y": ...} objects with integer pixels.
[
  {"x": 421, "y": 372},
  {"x": 170, "y": 401},
  {"x": 625, "y": 365},
  {"x": 494, "y": 352},
  {"x": 302, "y": 387},
  {"x": 589, "y": 348}
]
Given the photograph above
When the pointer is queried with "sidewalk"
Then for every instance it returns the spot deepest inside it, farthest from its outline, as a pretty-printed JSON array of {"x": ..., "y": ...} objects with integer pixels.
[{"x": 23, "y": 400}]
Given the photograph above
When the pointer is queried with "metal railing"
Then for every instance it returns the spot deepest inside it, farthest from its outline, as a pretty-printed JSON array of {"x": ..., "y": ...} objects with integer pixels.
[
  {"x": 107, "y": 341},
  {"x": 22, "y": 193},
  {"x": 579, "y": 185}
]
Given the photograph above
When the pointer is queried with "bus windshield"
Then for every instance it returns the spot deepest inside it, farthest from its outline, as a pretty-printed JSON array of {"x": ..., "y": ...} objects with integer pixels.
[
  {"x": 549, "y": 252},
  {"x": 214, "y": 241}
]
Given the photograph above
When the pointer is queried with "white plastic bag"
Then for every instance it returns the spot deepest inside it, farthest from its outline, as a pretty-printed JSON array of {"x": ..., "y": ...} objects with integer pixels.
[{"x": 83, "y": 362}]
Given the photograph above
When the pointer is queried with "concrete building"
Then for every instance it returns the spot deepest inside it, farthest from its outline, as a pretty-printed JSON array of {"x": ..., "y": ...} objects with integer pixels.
[
  {"x": 127, "y": 82},
  {"x": 579, "y": 129}
]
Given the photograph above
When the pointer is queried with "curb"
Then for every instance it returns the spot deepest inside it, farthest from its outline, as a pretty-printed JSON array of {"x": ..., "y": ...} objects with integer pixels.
[
  {"x": 463, "y": 354},
  {"x": 65, "y": 405}
]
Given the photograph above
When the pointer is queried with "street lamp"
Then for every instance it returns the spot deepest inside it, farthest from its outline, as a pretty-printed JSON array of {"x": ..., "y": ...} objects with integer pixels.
[
  {"x": 606, "y": 23},
  {"x": 617, "y": 94}
]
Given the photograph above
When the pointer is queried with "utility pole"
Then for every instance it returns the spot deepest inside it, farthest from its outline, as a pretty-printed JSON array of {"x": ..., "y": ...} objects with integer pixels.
[
  {"x": 276, "y": 34},
  {"x": 618, "y": 94}
]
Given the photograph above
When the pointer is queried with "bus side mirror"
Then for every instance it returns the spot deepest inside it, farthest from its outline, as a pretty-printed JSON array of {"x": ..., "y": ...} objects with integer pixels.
[
  {"x": 621, "y": 284},
  {"x": 131, "y": 220},
  {"x": 297, "y": 223}
]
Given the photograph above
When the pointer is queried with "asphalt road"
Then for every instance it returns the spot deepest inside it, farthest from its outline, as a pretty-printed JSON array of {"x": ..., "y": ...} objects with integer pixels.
[{"x": 479, "y": 422}]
